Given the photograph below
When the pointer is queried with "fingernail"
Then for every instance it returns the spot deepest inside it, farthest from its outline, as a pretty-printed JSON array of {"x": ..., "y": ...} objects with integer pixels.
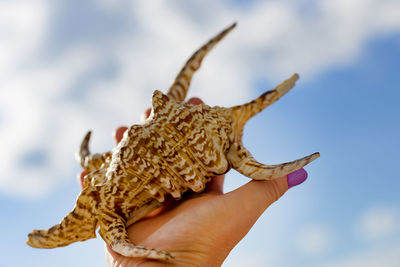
[
  {"x": 119, "y": 133},
  {"x": 145, "y": 115},
  {"x": 195, "y": 101},
  {"x": 296, "y": 177},
  {"x": 81, "y": 178}
]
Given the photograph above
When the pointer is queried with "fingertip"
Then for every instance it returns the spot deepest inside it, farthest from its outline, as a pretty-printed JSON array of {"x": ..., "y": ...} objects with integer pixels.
[
  {"x": 80, "y": 178},
  {"x": 119, "y": 133},
  {"x": 297, "y": 177},
  {"x": 145, "y": 115},
  {"x": 195, "y": 101}
]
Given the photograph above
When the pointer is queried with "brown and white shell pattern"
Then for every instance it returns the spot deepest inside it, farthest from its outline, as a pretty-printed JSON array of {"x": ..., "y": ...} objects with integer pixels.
[{"x": 180, "y": 147}]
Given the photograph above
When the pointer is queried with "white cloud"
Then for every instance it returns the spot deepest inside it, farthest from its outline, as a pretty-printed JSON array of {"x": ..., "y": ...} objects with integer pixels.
[
  {"x": 379, "y": 226},
  {"x": 22, "y": 28},
  {"x": 379, "y": 222},
  {"x": 314, "y": 240},
  {"x": 273, "y": 40},
  {"x": 36, "y": 121},
  {"x": 284, "y": 38}
]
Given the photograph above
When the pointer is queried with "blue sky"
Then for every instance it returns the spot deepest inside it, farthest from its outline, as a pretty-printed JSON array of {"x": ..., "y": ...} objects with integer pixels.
[{"x": 70, "y": 66}]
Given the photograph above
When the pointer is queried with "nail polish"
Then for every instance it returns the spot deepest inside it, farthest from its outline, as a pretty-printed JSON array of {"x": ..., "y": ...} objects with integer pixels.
[{"x": 296, "y": 177}]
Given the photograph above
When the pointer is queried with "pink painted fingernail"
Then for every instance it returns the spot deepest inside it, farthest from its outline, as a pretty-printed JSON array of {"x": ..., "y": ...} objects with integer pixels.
[{"x": 296, "y": 177}]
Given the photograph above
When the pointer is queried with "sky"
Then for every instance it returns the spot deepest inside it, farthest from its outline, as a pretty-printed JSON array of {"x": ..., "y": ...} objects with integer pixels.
[{"x": 70, "y": 66}]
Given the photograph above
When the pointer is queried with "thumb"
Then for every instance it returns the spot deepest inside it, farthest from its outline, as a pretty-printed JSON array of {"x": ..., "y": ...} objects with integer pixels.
[{"x": 248, "y": 202}]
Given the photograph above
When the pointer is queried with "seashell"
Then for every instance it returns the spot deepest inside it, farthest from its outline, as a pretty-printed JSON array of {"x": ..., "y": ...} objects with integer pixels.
[{"x": 180, "y": 147}]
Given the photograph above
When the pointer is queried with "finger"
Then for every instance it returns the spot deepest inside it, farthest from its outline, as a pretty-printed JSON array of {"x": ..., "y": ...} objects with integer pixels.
[
  {"x": 145, "y": 115},
  {"x": 80, "y": 178},
  {"x": 119, "y": 133},
  {"x": 216, "y": 185},
  {"x": 254, "y": 197},
  {"x": 169, "y": 204},
  {"x": 195, "y": 101}
]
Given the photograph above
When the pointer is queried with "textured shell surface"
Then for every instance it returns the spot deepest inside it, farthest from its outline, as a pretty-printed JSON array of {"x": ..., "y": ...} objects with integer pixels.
[{"x": 180, "y": 147}]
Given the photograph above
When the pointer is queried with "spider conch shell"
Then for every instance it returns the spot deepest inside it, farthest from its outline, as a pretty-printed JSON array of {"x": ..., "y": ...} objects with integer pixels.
[{"x": 180, "y": 147}]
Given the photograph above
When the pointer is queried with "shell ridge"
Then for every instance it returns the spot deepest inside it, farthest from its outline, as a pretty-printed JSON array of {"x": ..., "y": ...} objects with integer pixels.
[{"x": 168, "y": 136}]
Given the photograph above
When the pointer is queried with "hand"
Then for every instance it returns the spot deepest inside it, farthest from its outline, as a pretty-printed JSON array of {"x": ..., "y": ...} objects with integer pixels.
[{"x": 201, "y": 229}]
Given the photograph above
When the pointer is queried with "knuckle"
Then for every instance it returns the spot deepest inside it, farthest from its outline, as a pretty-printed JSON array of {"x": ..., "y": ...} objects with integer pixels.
[{"x": 274, "y": 190}]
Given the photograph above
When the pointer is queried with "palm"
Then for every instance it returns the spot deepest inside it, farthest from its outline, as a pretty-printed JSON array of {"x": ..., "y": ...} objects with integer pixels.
[
  {"x": 202, "y": 229},
  {"x": 189, "y": 229}
]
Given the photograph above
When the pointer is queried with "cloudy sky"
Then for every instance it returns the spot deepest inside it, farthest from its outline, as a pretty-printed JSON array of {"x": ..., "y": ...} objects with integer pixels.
[{"x": 70, "y": 66}]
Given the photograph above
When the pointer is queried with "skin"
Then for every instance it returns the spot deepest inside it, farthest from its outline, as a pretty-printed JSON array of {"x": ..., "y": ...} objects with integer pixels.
[{"x": 202, "y": 229}]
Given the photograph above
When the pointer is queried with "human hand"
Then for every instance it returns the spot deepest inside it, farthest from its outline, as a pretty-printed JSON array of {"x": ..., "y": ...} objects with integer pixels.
[{"x": 203, "y": 228}]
